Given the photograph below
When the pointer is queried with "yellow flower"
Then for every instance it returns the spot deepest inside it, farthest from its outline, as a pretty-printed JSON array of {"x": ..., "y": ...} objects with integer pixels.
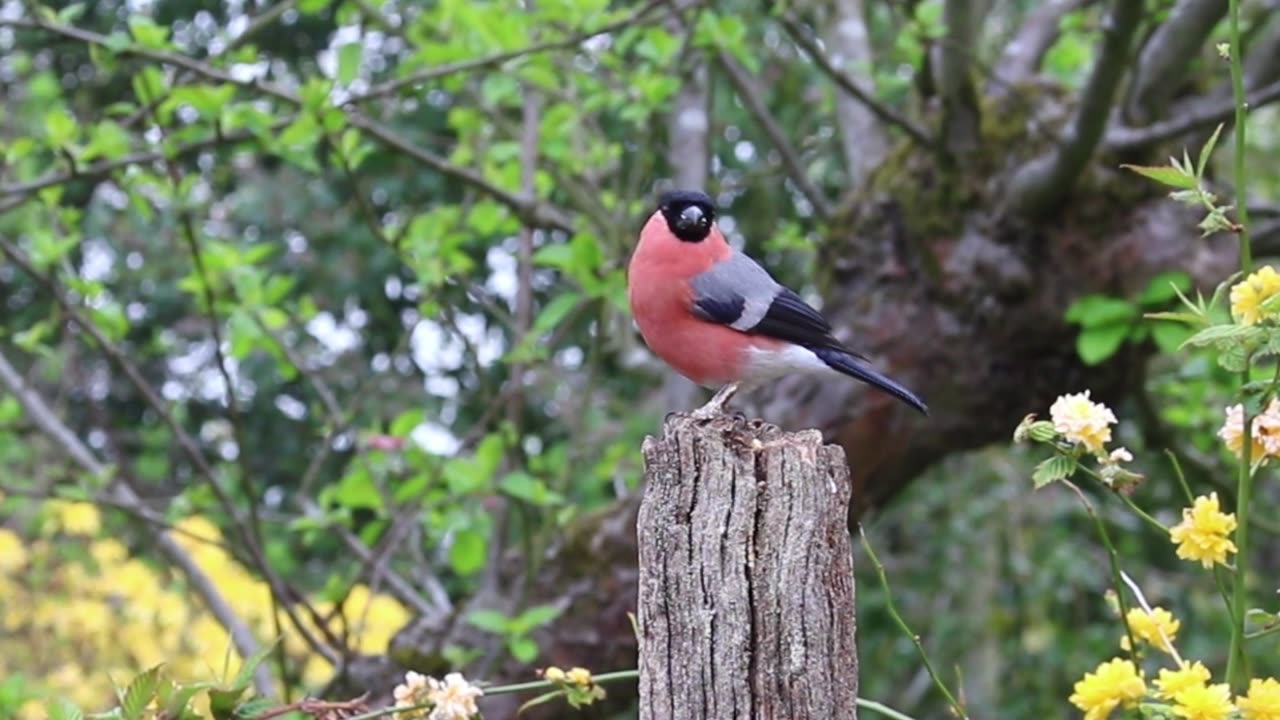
[
  {"x": 1113, "y": 683},
  {"x": 1203, "y": 702},
  {"x": 579, "y": 676},
  {"x": 1262, "y": 701},
  {"x": 76, "y": 518},
  {"x": 108, "y": 552},
  {"x": 1148, "y": 627},
  {"x": 1080, "y": 420},
  {"x": 553, "y": 674},
  {"x": 1172, "y": 682},
  {"x": 1264, "y": 437},
  {"x": 1248, "y": 296},
  {"x": 1203, "y": 533},
  {"x": 13, "y": 553}
]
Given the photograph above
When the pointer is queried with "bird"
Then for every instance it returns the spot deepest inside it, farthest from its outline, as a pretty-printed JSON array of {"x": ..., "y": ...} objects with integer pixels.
[{"x": 719, "y": 318}]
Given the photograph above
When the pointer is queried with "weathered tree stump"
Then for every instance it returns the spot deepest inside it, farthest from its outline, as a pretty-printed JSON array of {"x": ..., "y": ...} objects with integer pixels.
[{"x": 746, "y": 600}]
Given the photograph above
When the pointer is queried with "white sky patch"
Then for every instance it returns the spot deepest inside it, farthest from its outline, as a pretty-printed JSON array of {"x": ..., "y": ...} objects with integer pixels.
[
  {"x": 502, "y": 280},
  {"x": 292, "y": 407},
  {"x": 336, "y": 338},
  {"x": 99, "y": 260},
  {"x": 744, "y": 151},
  {"x": 433, "y": 349},
  {"x": 435, "y": 439}
]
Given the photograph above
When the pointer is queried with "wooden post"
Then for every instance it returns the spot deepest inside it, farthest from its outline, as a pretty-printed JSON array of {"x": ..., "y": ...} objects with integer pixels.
[{"x": 746, "y": 601}]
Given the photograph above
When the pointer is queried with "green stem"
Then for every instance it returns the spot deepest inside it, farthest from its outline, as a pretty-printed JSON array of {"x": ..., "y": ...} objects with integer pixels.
[
  {"x": 915, "y": 639},
  {"x": 598, "y": 679},
  {"x": 1114, "y": 559},
  {"x": 1237, "y": 665}
]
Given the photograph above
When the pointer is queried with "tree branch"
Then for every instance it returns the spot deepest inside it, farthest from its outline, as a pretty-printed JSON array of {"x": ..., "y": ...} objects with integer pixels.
[
  {"x": 744, "y": 86},
  {"x": 960, "y": 114},
  {"x": 1197, "y": 115},
  {"x": 38, "y": 411},
  {"x": 862, "y": 137},
  {"x": 529, "y": 209},
  {"x": 481, "y": 63},
  {"x": 11, "y": 196},
  {"x": 1165, "y": 57},
  {"x": 1041, "y": 184},
  {"x": 886, "y": 114},
  {"x": 1021, "y": 58}
]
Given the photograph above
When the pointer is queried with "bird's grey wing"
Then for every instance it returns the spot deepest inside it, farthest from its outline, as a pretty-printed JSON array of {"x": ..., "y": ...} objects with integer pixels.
[{"x": 739, "y": 293}]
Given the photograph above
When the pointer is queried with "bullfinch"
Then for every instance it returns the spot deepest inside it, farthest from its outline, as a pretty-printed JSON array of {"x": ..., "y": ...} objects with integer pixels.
[{"x": 720, "y": 319}]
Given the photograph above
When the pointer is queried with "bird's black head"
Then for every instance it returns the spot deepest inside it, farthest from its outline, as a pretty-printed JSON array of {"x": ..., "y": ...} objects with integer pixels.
[{"x": 689, "y": 214}]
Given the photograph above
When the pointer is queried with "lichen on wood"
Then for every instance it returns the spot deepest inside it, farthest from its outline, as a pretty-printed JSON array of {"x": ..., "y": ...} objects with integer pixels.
[{"x": 746, "y": 598}]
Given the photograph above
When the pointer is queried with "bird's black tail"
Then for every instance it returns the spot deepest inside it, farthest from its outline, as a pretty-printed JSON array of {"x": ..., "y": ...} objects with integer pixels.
[{"x": 845, "y": 363}]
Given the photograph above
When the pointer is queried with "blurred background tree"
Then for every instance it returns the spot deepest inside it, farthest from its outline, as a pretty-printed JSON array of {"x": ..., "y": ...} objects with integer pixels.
[{"x": 342, "y": 283}]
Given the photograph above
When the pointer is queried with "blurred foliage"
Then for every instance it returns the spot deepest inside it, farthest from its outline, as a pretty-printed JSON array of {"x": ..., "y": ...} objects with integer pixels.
[{"x": 279, "y": 289}]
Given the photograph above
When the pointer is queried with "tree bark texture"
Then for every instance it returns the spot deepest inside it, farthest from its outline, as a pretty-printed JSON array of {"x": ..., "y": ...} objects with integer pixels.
[{"x": 746, "y": 598}]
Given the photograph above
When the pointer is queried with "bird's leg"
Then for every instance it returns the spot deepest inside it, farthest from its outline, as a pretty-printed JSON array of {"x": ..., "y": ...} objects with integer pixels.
[{"x": 715, "y": 406}]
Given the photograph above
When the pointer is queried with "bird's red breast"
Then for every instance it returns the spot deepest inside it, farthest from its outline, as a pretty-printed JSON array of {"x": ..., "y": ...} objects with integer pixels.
[{"x": 662, "y": 300}]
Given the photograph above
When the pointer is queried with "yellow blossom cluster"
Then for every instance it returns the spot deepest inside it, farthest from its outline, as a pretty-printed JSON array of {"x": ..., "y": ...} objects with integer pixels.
[
  {"x": 1204, "y": 535},
  {"x": 1158, "y": 628},
  {"x": 1250, "y": 297},
  {"x": 1187, "y": 688},
  {"x": 1114, "y": 683},
  {"x": 78, "y": 610},
  {"x": 1264, "y": 434}
]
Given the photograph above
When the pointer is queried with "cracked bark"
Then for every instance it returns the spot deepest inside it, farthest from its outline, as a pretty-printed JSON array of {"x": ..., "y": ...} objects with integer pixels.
[{"x": 746, "y": 598}]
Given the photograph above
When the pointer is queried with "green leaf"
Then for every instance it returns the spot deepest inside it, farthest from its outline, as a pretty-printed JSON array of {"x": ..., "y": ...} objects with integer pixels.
[
  {"x": 523, "y": 486},
  {"x": 71, "y": 13},
  {"x": 1207, "y": 151},
  {"x": 59, "y": 127},
  {"x": 1169, "y": 337},
  {"x": 541, "y": 699},
  {"x": 1165, "y": 175},
  {"x": 147, "y": 33},
  {"x": 1234, "y": 358},
  {"x": 523, "y": 649},
  {"x": 357, "y": 490},
  {"x": 406, "y": 421},
  {"x": 467, "y": 553},
  {"x": 1058, "y": 467},
  {"x": 491, "y": 621},
  {"x": 1165, "y": 287},
  {"x": 63, "y": 709},
  {"x": 1181, "y": 317},
  {"x": 349, "y": 56},
  {"x": 245, "y": 676},
  {"x": 1218, "y": 333},
  {"x": 254, "y": 707},
  {"x": 1098, "y": 343},
  {"x": 139, "y": 693},
  {"x": 1094, "y": 310},
  {"x": 535, "y": 617}
]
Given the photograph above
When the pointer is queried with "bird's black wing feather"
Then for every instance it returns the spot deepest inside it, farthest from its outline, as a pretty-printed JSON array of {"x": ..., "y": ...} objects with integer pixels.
[
  {"x": 791, "y": 319},
  {"x": 724, "y": 309}
]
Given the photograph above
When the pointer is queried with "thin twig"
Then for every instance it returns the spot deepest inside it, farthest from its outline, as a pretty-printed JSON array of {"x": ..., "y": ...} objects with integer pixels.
[
  {"x": 887, "y": 115},
  {"x": 744, "y": 86},
  {"x": 902, "y": 624}
]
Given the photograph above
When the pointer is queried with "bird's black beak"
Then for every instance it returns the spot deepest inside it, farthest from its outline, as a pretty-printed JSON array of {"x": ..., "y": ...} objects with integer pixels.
[{"x": 691, "y": 219}]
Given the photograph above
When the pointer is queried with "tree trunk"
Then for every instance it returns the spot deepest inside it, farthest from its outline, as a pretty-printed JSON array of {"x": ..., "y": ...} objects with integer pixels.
[{"x": 746, "y": 600}]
